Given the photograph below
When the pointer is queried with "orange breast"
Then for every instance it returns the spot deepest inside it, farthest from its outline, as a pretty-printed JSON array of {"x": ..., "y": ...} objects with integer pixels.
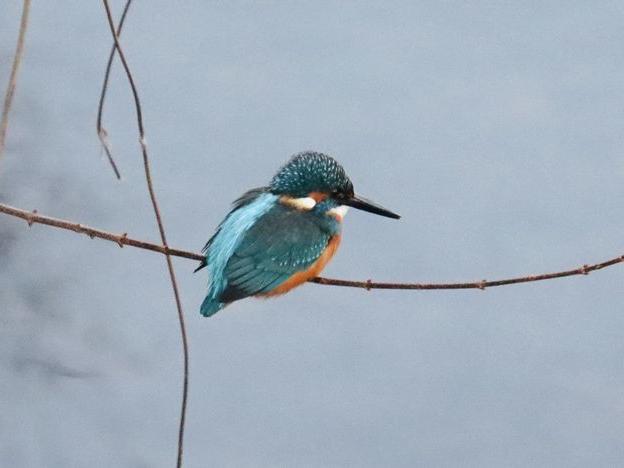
[{"x": 303, "y": 276}]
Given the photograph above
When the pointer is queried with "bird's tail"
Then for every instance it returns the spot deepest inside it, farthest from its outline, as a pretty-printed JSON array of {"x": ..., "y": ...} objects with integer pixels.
[
  {"x": 203, "y": 263},
  {"x": 211, "y": 306}
]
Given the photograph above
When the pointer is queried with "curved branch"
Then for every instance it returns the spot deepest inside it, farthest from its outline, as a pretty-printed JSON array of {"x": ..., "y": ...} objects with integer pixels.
[
  {"x": 17, "y": 60},
  {"x": 161, "y": 230},
  {"x": 32, "y": 217},
  {"x": 101, "y": 131}
]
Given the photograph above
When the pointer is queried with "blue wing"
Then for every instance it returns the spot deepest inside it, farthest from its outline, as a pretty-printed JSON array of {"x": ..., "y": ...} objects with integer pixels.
[
  {"x": 281, "y": 243},
  {"x": 246, "y": 199},
  {"x": 247, "y": 210}
]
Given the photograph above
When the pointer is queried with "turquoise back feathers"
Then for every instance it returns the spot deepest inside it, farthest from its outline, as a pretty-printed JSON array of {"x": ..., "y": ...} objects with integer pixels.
[{"x": 220, "y": 248}]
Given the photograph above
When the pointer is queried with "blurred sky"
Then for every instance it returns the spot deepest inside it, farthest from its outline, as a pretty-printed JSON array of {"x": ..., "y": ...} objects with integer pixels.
[{"x": 495, "y": 129}]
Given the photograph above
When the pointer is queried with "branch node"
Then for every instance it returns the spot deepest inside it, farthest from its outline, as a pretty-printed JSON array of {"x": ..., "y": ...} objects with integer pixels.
[
  {"x": 482, "y": 285},
  {"x": 585, "y": 269},
  {"x": 143, "y": 142},
  {"x": 121, "y": 240},
  {"x": 31, "y": 218},
  {"x": 369, "y": 284}
]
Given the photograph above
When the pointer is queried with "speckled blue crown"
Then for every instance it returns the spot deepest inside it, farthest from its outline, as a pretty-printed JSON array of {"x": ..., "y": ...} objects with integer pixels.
[{"x": 310, "y": 172}]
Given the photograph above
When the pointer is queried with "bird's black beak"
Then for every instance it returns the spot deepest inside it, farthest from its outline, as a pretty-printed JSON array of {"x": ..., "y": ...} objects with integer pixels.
[{"x": 362, "y": 203}]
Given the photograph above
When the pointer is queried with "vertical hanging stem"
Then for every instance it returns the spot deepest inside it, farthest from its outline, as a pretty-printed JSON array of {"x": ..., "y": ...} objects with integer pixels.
[
  {"x": 161, "y": 229},
  {"x": 17, "y": 60}
]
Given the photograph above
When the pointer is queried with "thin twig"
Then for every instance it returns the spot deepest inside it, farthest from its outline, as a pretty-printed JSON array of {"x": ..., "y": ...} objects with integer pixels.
[
  {"x": 17, "y": 60},
  {"x": 34, "y": 218},
  {"x": 101, "y": 131},
  {"x": 161, "y": 229}
]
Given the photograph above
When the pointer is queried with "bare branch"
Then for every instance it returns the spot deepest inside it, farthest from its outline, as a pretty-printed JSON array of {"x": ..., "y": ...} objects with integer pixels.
[
  {"x": 17, "y": 60},
  {"x": 101, "y": 131},
  {"x": 34, "y": 218},
  {"x": 482, "y": 285},
  {"x": 161, "y": 229}
]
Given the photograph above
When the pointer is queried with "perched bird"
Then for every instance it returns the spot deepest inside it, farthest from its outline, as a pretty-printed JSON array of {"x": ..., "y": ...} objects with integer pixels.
[{"x": 277, "y": 237}]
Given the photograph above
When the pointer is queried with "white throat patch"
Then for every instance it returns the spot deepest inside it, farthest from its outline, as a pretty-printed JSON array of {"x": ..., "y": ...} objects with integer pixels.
[{"x": 338, "y": 212}]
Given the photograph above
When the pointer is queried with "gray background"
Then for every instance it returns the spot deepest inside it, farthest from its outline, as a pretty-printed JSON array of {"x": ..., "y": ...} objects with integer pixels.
[{"x": 495, "y": 130}]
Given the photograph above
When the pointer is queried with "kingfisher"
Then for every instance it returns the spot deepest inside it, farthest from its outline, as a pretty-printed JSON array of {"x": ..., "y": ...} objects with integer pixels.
[{"x": 277, "y": 237}]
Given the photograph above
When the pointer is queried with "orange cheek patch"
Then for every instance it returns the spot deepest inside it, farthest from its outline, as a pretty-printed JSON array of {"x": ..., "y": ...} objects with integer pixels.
[
  {"x": 318, "y": 196},
  {"x": 302, "y": 276}
]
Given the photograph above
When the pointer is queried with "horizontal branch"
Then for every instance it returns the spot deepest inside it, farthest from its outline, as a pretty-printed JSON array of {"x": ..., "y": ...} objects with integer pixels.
[{"x": 32, "y": 217}]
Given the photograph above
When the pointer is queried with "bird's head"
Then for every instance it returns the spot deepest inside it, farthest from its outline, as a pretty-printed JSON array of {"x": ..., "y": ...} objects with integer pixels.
[{"x": 316, "y": 181}]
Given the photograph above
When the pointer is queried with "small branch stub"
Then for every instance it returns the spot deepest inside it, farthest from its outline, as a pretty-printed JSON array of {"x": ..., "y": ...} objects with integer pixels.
[
  {"x": 121, "y": 240},
  {"x": 31, "y": 219}
]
